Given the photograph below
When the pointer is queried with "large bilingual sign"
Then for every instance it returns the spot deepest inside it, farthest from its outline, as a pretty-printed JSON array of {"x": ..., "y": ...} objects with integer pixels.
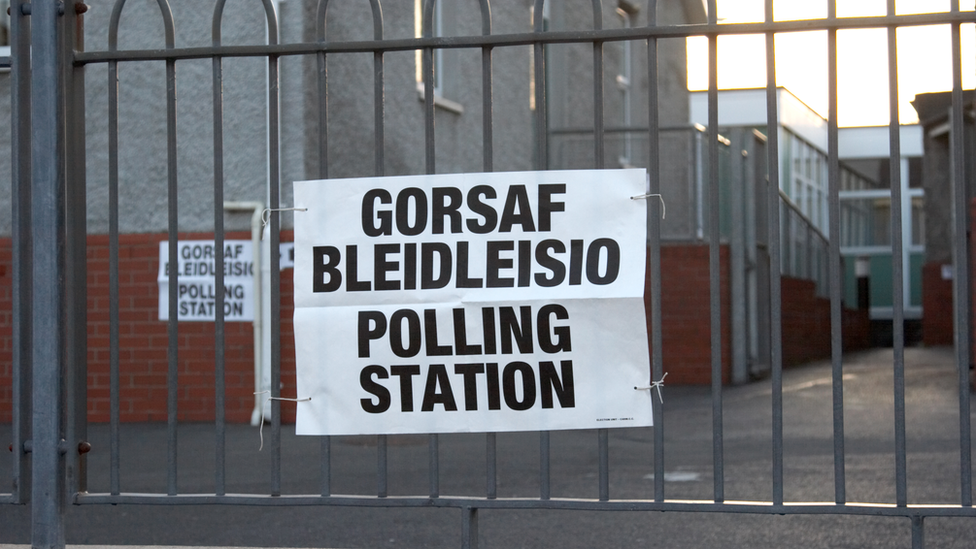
[{"x": 471, "y": 303}]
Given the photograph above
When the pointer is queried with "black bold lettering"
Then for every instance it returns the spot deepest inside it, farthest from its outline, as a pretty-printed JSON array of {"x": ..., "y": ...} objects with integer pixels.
[
  {"x": 442, "y": 208},
  {"x": 496, "y": 263},
  {"x": 381, "y": 393},
  {"x": 547, "y": 206},
  {"x": 410, "y": 266},
  {"x": 430, "y": 335},
  {"x": 461, "y": 345},
  {"x": 518, "y": 199},
  {"x": 353, "y": 284},
  {"x": 419, "y": 211},
  {"x": 428, "y": 250},
  {"x": 325, "y": 259},
  {"x": 524, "y": 263},
  {"x": 406, "y": 373},
  {"x": 575, "y": 262},
  {"x": 593, "y": 261},
  {"x": 372, "y": 325},
  {"x": 549, "y": 381},
  {"x": 544, "y": 259},
  {"x": 470, "y": 373},
  {"x": 437, "y": 379},
  {"x": 547, "y": 331},
  {"x": 463, "y": 281},
  {"x": 484, "y": 210},
  {"x": 382, "y": 266},
  {"x": 385, "y": 225},
  {"x": 512, "y": 329},
  {"x": 488, "y": 328},
  {"x": 414, "y": 340},
  {"x": 509, "y": 388},
  {"x": 494, "y": 388}
]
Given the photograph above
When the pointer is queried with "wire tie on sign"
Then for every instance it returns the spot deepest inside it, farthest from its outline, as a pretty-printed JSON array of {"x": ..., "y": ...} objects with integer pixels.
[
  {"x": 270, "y": 398},
  {"x": 664, "y": 210},
  {"x": 655, "y": 385},
  {"x": 266, "y": 214}
]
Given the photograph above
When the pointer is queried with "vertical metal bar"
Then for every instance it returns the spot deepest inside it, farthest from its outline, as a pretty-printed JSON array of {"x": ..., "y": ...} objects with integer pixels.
[
  {"x": 487, "y": 127},
  {"x": 714, "y": 262},
  {"x": 918, "y": 532},
  {"x": 775, "y": 261},
  {"x": 488, "y": 156},
  {"x": 433, "y": 445},
  {"x": 654, "y": 242},
  {"x": 378, "y": 113},
  {"x": 378, "y": 108},
  {"x": 836, "y": 303},
  {"x": 172, "y": 376},
  {"x": 961, "y": 266},
  {"x": 598, "y": 115},
  {"x": 603, "y": 436},
  {"x": 603, "y": 444},
  {"x": 274, "y": 203},
  {"x": 737, "y": 260},
  {"x": 428, "y": 76},
  {"x": 539, "y": 61},
  {"x": 21, "y": 225},
  {"x": 76, "y": 271},
  {"x": 219, "y": 349},
  {"x": 325, "y": 446},
  {"x": 897, "y": 265},
  {"x": 382, "y": 477},
  {"x": 491, "y": 465},
  {"x": 325, "y": 473},
  {"x": 47, "y": 228},
  {"x": 323, "y": 95},
  {"x": 113, "y": 252},
  {"x": 545, "y": 488},
  {"x": 469, "y": 528},
  {"x": 381, "y": 467},
  {"x": 430, "y": 156},
  {"x": 542, "y": 156}
]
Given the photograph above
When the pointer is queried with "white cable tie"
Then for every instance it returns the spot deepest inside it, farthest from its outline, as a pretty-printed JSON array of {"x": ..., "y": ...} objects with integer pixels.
[
  {"x": 266, "y": 214},
  {"x": 270, "y": 398},
  {"x": 655, "y": 385},
  {"x": 664, "y": 209}
]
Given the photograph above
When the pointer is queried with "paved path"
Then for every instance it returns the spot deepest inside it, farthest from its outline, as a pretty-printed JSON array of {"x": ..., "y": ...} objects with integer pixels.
[{"x": 933, "y": 476}]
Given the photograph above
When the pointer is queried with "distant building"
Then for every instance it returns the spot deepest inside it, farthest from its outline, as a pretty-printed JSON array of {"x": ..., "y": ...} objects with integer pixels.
[
  {"x": 865, "y": 200},
  {"x": 936, "y": 176}
]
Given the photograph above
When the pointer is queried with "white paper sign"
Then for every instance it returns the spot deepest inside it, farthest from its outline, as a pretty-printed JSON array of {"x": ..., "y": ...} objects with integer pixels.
[
  {"x": 471, "y": 303},
  {"x": 197, "y": 293}
]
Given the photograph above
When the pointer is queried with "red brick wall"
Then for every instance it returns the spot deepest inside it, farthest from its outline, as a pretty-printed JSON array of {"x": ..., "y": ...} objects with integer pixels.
[
  {"x": 936, "y": 306},
  {"x": 685, "y": 308},
  {"x": 144, "y": 340},
  {"x": 806, "y": 324},
  {"x": 686, "y": 331}
]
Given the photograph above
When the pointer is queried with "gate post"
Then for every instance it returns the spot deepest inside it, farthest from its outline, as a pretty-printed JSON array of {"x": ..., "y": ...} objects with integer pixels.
[
  {"x": 47, "y": 229},
  {"x": 21, "y": 250}
]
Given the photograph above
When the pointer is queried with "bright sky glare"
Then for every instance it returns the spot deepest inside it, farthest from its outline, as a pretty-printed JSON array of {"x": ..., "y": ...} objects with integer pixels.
[{"x": 924, "y": 57}]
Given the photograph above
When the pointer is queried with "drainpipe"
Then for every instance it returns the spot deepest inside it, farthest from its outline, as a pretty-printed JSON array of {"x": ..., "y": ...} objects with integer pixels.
[{"x": 256, "y": 209}]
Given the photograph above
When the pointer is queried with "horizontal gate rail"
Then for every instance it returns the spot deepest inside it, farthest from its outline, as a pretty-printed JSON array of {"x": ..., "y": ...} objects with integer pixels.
[
  {"x": 531, "y": 38},
  {"x": 745, "y": 507},
  {"x": 527, "y": 39}
]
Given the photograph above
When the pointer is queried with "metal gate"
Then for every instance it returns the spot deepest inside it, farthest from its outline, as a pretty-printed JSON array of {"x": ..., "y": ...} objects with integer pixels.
[{"x": 50, "y": 192}]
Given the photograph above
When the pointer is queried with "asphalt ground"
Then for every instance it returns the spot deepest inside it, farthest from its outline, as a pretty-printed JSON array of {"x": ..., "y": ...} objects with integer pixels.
[{"x": 932, "y": 435}]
